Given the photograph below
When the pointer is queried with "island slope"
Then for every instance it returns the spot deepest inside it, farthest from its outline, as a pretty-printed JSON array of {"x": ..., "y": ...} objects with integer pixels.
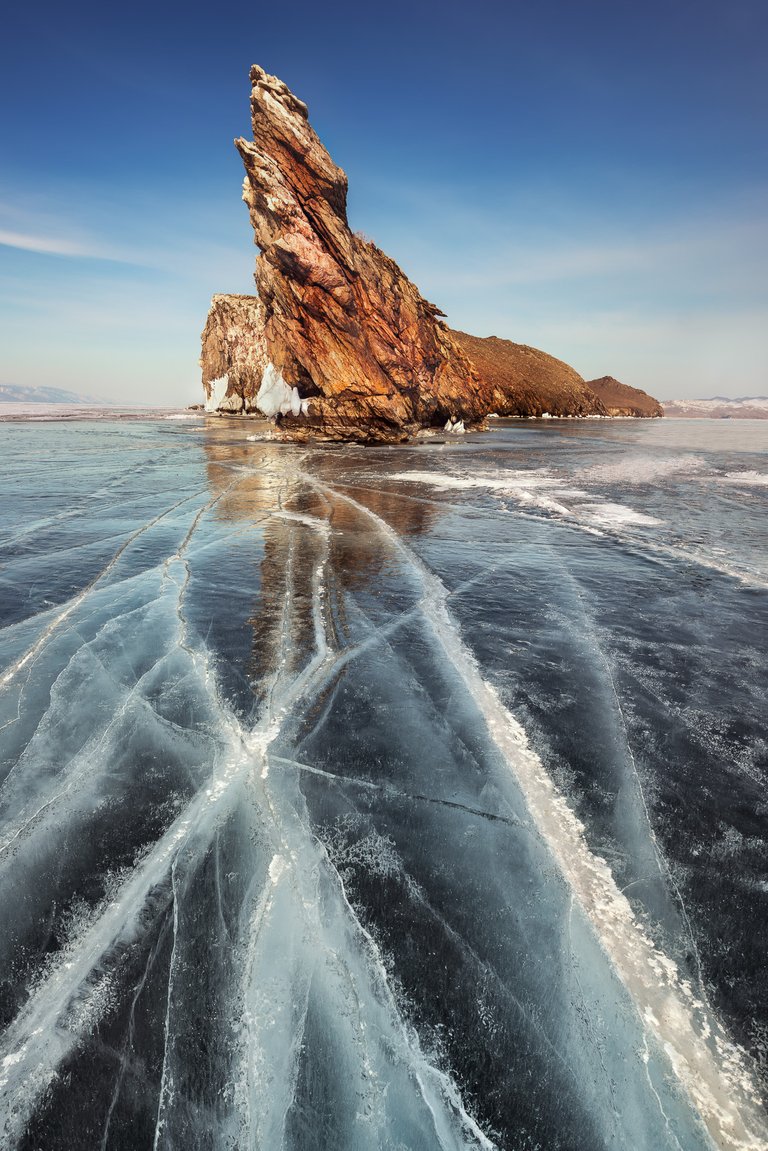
[
  {"x": 622, "y": 400},
  {"x": 528, "y": 382}
]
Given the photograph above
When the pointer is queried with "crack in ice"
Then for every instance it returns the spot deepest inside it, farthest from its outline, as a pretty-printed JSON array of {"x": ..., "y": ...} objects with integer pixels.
[{"x": 723, "y": 1095}]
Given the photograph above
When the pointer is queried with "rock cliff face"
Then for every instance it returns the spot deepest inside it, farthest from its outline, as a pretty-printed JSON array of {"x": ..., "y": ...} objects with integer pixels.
[
  {"x": 622, "y": 400},
  {"x": 338, "y": 343},
  {"x": 347, "y": 346},
  {"x": 234, "y": 353}
]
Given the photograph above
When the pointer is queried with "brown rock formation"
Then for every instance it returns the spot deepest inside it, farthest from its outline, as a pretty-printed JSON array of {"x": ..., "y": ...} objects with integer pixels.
[
  {"x": 339, "y": 344},
  {"x": 622, "y": 400},
  {"x": 341, "y": 323},
  {"x": 527, "y": 382},
  {"x": 235, "y": 350}
]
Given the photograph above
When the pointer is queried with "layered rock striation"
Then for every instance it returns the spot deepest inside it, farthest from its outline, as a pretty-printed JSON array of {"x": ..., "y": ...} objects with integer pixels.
[
  {"x": 338, "y": 331},
  {"x": 339, "y": 343}
]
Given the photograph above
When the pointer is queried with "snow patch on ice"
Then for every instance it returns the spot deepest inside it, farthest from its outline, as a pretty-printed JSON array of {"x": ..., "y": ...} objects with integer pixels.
[
  {"x": 276, "y": 868},
  {"x": 275, "y": 396},
  {"x": 456, "y": 427},
  {"x": 746, "y": 479},
  {"x": 639, "y": 469},
  {"x": 615, "y": 515},
  {"x": 538, "y": 489},
  {"x": 217, "y": 393},
  {"x": 509, "y": 482}
]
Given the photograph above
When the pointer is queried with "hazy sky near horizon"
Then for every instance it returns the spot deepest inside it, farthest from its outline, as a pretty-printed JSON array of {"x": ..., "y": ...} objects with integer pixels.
[{"x": 586, "y": 176}]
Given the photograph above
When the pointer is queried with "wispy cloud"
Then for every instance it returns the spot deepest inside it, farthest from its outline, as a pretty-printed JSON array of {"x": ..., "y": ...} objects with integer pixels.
[
  {"x": 157, "y": 235},
  {"x": 53, "y": 246},
  {"x": 457, "y": 246},
  {"x": 719, "y": 255},
  {"x": 28, "y": 225}
]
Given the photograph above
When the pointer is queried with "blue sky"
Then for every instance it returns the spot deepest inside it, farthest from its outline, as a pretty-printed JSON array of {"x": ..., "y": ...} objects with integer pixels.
[{"x": 586, "y": 176}]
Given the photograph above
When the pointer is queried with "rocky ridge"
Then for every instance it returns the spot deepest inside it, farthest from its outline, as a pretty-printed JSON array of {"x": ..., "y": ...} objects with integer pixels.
[
  {"x": 44, "y": 394},
  {"x": 528, "y": 382},
  {"x": 621, "y": 400},
  {"x": 339, "y": 343}
]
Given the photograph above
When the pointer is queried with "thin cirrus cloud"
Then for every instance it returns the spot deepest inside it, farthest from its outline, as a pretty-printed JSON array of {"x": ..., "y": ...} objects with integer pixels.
[
  {"x": 724, "y": 251},
  {"x": 28, "y": 225},
  {"x": 689, "y": 242},
  {"x": 722, "y": 261},
  {"x": 145, "y": 234},
  {"x": 48, "y": 245}
]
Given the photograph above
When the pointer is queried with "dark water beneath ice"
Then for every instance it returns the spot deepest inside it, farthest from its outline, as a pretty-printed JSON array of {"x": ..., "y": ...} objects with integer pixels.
[{"x": 399, "y": 798}]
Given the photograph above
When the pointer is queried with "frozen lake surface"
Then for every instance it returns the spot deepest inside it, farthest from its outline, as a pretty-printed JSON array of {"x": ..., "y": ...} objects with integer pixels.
[{"x": 406, "y": 798}]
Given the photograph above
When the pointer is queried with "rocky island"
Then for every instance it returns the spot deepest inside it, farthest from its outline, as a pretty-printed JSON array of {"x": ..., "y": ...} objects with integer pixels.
[
  {"x": 338, "y": 343},
  {"x": 621, "y": 400}
]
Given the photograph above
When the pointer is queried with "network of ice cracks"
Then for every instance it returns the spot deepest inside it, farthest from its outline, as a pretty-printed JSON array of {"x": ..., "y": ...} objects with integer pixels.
[{"x": 297, "y": 935}]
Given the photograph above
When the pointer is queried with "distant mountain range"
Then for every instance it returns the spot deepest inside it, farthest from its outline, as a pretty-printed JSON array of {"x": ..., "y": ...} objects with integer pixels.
[
  {"x": 719, "y": 408},
  {"x": 19, "y": 394}
]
